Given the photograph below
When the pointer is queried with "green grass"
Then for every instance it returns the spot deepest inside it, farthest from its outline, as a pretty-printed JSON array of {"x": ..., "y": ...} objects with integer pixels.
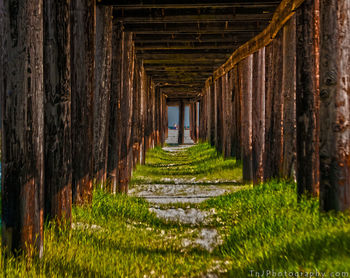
[
  {"x": 201, "y": 162},
  {"x": 263, "y": 228},
  {"x": 266, "y": 229}
]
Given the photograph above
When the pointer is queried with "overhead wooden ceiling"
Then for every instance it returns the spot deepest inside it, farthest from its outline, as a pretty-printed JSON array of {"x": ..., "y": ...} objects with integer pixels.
[{"x": 182, "y": 42}]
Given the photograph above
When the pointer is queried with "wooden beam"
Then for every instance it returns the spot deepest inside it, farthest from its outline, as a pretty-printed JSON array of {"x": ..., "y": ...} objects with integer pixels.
[
  {"x": 195, "y": 57},
  {"x": 137, "y": 4},
  {"x": 283, "y": 13},
  {"x": 160, "y": 68},
  {"x": 228, "y": 47},
  {"x": 213, "y": 28},
  {"x": 203, "y": 18},
  {"x": 199, "y": 38}
]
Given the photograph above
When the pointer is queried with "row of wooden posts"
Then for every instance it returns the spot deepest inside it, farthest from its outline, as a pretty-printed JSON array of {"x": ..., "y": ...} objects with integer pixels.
[
  {"x": 285, "y": 110},
  {"x": 78, "y": 110}
]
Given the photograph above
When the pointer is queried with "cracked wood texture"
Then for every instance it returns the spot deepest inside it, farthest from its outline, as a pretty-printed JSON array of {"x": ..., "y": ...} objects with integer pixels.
[
  {"x": 307, "y": 101},
  {"x": 335, "y": 105},
  {"x": 23, "y": 127},
  {"x": 103, "y": 58},
  {"x": 83, "y": 85},
  {"x": 57, "y": 103}
]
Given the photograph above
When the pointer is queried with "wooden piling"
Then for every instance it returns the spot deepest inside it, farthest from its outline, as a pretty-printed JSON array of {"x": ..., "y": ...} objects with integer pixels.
[
  {"x": 22, "y": 103},
  {"x": 103, "y": 58},
  {"x": 83, "y": 85},
  {"x": 289, "y": 95},
  {"x": 117, "y": 83},
  {"x": 125, "y": 150},
  {"x": 258, "y": 115},
  {"x": 181, "y": 123},
  {"x": 57, "y": 112},
  {"x": 307, "y": 100},
  {"x": 334, "y": 109},
  {"x": 246, "y": 75}
]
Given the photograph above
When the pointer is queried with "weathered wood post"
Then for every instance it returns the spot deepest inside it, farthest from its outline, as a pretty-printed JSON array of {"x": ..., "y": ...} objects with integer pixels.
[
  {"x": 126, "y": 106},
  {"x": 57, "y": 112},
  {"x": 2, "y": 55},
  {"x": 335, "y": 109},
  {"x": 237, "y": 116},
  {"x": 212, "y": 114},
  {"x": 288, "y": 90},
  {"x": 218, "y": 114},
  {"x": 307, "y": 100},
  {"x": 23, "y": 127},
  {"x": 117, "y": 83},
  {"x": 227, "y": 102},
  {"x": 181, "y": 136},
  {"x": 258, "y": 115},
  {"x": 246, "y": 76},
  {"x": 103, "y": 58},
  {"x": 231, "y": 88},
  {"x": 83, "y": 85},
  {"x": 191, "y": 120},
  {"x": 143, "y": 112},
  {"x": 221, "y": 132},
  {"x": 273, "y": 158}
]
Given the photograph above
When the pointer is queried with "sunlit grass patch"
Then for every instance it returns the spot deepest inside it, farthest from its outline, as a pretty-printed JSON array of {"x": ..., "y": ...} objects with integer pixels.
[
  {"x": 267, "y": 229},
  {"x": 200, "y": 162}
]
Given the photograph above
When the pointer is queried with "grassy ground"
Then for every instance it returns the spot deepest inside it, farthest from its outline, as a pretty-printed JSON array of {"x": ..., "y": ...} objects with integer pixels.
[
  {"x": 263, "y": 228},
  {"x": 200, "y": 162}
]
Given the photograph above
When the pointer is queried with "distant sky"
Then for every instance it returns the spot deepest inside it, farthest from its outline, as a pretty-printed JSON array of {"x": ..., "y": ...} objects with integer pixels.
[{"x": 173, "y": 115}]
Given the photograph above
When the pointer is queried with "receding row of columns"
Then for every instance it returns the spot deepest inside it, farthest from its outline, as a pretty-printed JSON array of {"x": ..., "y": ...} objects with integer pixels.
[
  {"x": 284, "y": 110},
  {"x": 78, "y": 110}
]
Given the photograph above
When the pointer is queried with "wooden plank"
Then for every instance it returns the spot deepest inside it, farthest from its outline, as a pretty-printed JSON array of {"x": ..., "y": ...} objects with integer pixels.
[
  {"x": 307, "y": 102},
  {"x": 22, "y": 187},
  {"x": 103, "y": 58},
  {"x": 83, "y": 85},
  {"x": 57, "y": 112},
  {"x": 334, "y": 109}
]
